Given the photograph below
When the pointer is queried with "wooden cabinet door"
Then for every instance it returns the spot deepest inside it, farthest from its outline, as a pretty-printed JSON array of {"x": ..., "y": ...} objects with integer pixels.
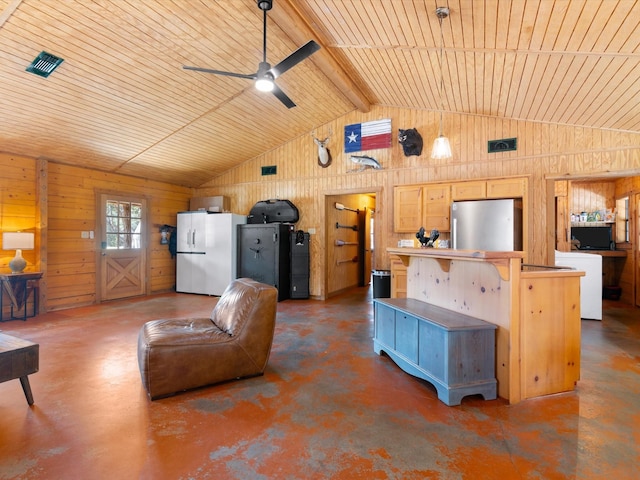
[
  {"x": 506, "y": 188},
  {"x": 469, "y": 190},
  {"x": 398, "y": 278},
  {"x": 437, "y": 207},
  {"x": 407, "y": 208},
  {"x": 550, "y": 335}
]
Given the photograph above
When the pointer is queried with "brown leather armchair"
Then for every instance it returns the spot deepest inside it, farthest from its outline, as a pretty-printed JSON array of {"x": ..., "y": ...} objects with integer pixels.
[{"x": 235, "y": 342}]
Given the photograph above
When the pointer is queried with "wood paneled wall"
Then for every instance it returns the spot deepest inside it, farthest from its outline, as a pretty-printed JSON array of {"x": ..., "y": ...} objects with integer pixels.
[
  {"x": 18, "y": 212},
  {"x": 544, "y": 151},
  {"x": 592, "y": 196},
  {"x": 71, "y": 208},
  {"x": 18, "y": 206}
]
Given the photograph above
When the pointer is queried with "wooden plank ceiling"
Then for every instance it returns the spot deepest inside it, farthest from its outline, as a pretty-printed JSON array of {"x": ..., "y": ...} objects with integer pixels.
[{"x": 121, "y": 102}]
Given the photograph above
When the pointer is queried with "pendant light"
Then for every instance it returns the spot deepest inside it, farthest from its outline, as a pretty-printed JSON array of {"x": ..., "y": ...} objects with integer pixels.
[{"x": 441, "y": 148}]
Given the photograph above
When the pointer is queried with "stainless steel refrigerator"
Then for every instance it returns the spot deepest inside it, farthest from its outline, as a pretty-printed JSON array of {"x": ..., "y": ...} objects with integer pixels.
[
  {"x": 206, "y": 251},
  {"x": 492, "y": 225}
]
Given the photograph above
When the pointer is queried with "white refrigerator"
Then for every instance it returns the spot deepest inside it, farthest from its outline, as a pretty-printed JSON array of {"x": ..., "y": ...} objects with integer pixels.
[{"x": 206, "y": 251}]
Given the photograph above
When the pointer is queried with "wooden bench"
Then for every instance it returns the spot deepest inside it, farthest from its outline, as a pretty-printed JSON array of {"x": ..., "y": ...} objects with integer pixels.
[{"x": 452, "y": 351}]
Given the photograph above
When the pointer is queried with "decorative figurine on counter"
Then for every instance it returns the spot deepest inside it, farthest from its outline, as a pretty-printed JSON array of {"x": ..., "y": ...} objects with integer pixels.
[{"x": 427, "y": 242}]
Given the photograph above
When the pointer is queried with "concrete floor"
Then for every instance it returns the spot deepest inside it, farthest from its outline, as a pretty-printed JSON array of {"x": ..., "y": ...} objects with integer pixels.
[{"x": 327, "y": 407}]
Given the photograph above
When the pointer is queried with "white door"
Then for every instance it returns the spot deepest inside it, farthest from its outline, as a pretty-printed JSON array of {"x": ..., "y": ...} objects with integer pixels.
[
  {"x": 191, "y": 268},
  {"x": 222, "y": 250},
  {"x": 183, "y": 232}
]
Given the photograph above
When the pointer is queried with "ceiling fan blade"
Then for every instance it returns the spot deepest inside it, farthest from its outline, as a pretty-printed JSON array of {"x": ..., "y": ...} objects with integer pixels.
[
  {"x": 280, "y": 95},
  {"x": 296, "y": 57},
  {"x": 221, "y": 72}
]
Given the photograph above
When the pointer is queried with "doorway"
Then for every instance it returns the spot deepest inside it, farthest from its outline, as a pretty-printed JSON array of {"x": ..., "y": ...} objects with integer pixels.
[
  {"x": 349, "y": 241},
  {"x": 121, "y": 247},
  {"x": 635, "y": 211},
  {"x": 622, "y": 267}
]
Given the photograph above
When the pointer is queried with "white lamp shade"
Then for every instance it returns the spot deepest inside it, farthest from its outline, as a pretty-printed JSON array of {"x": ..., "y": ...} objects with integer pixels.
[
  {"x": 17, "y": 241},
  {"x": 441, "y": 148}
]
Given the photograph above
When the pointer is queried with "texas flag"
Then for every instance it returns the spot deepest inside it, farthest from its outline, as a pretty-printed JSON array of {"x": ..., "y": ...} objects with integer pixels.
[{"x": 367, "y": 136}]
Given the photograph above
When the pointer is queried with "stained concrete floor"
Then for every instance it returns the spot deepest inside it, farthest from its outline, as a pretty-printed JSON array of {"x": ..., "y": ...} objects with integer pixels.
[{"x": 327, "y": 407}]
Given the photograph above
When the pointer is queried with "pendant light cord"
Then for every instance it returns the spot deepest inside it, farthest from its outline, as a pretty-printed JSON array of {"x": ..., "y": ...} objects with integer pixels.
[
  {"x": 440, "y": 17},
  {"x": 264, "y": 36}
]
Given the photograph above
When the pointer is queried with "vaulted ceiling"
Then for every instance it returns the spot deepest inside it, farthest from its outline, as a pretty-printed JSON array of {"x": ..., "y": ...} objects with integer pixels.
[{"x": 121, "y": 101}]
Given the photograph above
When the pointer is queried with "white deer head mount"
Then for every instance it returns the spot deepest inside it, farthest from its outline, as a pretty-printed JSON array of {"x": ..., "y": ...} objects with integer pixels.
[{"x": 324, "y": 155}]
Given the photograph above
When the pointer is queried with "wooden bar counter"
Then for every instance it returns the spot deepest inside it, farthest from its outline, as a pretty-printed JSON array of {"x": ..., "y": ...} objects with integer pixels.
[{"x": 536, "y": 310}]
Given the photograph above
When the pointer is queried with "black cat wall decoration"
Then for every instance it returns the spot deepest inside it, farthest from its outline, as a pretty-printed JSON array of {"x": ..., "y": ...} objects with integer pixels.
[{"x": 411, "y": 141}]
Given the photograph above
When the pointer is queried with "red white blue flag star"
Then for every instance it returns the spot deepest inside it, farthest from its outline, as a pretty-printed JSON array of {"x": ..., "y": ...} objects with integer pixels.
[{"x": 367, "y": 136}]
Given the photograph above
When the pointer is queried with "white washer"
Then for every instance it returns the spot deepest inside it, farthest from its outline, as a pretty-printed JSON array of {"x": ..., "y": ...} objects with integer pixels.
[{"x": 590, "y": 283}]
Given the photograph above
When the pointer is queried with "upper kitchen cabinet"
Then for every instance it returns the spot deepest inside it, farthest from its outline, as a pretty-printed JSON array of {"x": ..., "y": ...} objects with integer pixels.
[
  {"x": 507, "y": 188},
  {"x": 437, "y": 207},
  {"x": 418, "y": 206},
  {"x": 407, "y": 208},
  {"x": 499, "y": 188},
  {"x": 469, "y": 190}
]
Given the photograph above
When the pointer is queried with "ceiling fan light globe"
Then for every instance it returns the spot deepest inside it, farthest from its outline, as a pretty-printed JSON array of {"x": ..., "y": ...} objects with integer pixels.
[{"x": 264, "y": 85}]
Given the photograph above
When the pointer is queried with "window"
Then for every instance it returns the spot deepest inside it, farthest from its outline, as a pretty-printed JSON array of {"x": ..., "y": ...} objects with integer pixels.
[
  {"x": 622, "y": 220},
  {"x": 124, "y": 224}
]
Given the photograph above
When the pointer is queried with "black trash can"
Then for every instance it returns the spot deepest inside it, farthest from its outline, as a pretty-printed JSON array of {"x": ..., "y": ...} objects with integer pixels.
[{"x": 381, "y": 283}]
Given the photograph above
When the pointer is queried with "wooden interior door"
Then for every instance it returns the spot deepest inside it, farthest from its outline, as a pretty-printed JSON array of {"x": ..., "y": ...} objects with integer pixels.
[
  {"x": 635, "y": 214},
  {"x": 364, "y": 247},
  {"x": 122, "y": 236}
]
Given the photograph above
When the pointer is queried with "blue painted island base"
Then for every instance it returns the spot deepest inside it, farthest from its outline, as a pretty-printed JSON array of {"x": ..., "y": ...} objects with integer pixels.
[
  {"x": 452, "y": 351},
  {"x": 450, "y": 395}
]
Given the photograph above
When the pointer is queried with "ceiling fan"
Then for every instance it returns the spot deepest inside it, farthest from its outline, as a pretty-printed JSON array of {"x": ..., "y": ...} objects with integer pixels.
[{"x": 266, "y": 74}]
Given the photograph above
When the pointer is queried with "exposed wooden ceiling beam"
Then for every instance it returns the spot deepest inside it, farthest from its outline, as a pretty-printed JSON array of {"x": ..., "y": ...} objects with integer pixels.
[
  {"x": 6, "y": 14},
  {"x": 288, "y": 17}
]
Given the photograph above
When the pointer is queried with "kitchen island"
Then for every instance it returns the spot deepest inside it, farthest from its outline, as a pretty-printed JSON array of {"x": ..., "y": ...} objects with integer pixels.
[{"x": 536, "y": 311}]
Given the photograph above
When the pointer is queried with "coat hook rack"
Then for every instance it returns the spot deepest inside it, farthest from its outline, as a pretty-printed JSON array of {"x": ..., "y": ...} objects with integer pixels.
[
  {"x": 340, "y": 206},
  {"x": 351, "y": 260},
  {"x": 351, "y": 227},
  {"x": 340, "y": 243}
]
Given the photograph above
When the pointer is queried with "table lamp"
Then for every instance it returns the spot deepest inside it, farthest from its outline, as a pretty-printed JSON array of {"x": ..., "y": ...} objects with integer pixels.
[{"x": 17, "y": 241}]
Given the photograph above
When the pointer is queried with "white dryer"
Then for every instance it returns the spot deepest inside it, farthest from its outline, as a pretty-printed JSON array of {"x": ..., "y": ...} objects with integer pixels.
[{"x": 590, "y": 283}]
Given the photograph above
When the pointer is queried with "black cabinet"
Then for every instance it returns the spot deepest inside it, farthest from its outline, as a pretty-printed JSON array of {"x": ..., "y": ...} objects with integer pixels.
[{"x": 264, "y": 255}]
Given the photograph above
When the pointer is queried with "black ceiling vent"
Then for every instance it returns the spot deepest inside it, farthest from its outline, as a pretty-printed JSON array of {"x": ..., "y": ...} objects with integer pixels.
[
  {"x": 504, "y": 145},
  {"x": 44, "y": 64}
]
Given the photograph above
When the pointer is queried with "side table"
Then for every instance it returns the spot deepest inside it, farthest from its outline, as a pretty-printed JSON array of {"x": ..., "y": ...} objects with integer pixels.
[
  {"x": 18, "y": 287},
  {"x": 18, "y": 358}
]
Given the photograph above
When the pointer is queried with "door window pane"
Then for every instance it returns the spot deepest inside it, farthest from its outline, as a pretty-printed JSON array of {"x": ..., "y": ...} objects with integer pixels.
[{"x": 123, "y": 224}]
